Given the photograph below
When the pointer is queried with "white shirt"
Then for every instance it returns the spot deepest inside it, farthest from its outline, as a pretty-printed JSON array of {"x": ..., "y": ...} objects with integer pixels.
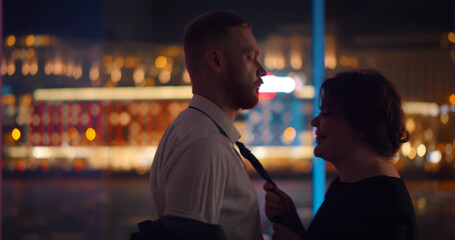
[{"x": 197, "y": 174}]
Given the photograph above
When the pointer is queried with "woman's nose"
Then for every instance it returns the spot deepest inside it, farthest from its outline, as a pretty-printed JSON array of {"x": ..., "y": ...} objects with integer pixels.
[{"x": 315, "y": 121}]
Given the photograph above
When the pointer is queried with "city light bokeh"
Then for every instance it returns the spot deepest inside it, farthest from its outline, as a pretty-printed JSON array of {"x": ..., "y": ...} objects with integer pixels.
[{"x": 82, "y": 115}]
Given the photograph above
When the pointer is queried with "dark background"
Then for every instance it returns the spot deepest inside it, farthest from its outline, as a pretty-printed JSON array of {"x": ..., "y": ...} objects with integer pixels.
[{"x": 163, "y": 21}]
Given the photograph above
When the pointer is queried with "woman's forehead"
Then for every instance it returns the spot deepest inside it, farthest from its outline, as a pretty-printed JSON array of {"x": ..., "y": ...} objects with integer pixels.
[
  {"x": 331, "y": 105},
  {"x": 327, "y": 101}
]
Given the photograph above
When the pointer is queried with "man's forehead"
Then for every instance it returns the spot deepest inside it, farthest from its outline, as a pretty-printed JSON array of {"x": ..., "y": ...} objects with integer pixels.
[
  {"x": 240, "y": 28},
  {"x": 243, "y": 35}
]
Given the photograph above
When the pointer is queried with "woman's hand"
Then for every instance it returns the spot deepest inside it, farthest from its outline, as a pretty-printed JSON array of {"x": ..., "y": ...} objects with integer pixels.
[
  {"x": 281, "y": 232},
  {"x": 279, "y": 208}
]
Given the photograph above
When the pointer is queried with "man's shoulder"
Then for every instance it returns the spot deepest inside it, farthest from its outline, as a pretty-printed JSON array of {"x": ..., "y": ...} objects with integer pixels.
[
  {"x": 205, "y": 148},
  {"x": 194, "y": 145},
  {"x": 192, "y": 122}
]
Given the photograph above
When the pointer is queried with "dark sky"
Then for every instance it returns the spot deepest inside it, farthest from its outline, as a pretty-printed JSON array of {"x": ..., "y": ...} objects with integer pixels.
[{"x": 163, "y": 20}]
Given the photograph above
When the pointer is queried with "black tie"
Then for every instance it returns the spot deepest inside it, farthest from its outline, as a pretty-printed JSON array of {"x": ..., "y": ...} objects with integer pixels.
[
  {"x": 244, "y": 151},
  {"x": 254, "y": 161}
]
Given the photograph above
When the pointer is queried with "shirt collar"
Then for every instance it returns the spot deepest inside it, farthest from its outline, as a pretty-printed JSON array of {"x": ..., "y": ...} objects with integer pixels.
[{"x": 217, "y": 115}]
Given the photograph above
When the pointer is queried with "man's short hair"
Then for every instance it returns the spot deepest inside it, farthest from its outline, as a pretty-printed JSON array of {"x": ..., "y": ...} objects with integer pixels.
[{"x": 205, "y": 30}]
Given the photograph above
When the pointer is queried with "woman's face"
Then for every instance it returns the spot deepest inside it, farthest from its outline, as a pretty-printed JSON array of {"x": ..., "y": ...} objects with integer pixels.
[{"x": 335, "y": 137}]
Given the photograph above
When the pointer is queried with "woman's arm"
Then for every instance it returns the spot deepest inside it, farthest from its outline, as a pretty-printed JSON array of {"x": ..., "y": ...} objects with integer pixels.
[{"x": 280, "y": 209}]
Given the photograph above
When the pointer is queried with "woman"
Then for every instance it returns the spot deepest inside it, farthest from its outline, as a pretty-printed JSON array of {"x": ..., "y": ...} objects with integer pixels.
[{"x": 359, "y": 130}]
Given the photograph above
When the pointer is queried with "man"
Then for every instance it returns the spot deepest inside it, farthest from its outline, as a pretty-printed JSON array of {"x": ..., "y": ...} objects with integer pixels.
[{"x": 196, "y": 173}]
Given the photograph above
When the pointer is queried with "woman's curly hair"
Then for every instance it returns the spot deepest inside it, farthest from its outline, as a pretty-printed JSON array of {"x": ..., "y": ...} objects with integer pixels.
[{"x": 371, "y": 104}]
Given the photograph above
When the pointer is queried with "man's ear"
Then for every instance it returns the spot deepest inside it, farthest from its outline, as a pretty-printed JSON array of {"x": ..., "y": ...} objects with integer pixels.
[{"x": 213, "y": 58}]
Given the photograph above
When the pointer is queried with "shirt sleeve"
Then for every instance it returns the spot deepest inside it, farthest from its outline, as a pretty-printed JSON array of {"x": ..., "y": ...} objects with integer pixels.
[{"x": 196, "y": 181}]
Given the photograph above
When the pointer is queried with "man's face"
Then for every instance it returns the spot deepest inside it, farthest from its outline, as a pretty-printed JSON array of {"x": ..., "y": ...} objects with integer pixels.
[{"x": 241, "y": 78}]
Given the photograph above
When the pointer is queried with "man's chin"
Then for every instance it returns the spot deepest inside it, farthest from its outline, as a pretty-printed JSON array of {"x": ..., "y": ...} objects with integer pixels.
[{"x": 251, "y": 104}]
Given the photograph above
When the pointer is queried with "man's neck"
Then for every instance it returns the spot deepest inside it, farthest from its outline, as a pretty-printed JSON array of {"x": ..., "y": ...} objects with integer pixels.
[
  {"x": 218, "y": 100},
  {"x": 230, "y": 113}
]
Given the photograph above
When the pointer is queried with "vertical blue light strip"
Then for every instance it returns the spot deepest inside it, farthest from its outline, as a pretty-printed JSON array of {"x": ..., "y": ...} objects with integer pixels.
[{"x": 318, "y": 53}]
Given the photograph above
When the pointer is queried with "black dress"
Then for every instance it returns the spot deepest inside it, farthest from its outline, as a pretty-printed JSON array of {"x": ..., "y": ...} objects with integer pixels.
[{"x": 374, "y": 208}]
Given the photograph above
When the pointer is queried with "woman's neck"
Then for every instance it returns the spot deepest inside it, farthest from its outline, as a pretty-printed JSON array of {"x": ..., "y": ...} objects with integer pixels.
[{"x": 364, "y": 164}]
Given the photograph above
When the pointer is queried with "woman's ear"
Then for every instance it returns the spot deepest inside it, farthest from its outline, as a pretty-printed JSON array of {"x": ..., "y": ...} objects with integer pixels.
[{"x": 213, "y": 58}]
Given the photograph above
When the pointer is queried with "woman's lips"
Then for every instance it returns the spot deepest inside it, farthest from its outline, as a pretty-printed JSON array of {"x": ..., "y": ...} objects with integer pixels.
[{"x": 320, "y": 136}]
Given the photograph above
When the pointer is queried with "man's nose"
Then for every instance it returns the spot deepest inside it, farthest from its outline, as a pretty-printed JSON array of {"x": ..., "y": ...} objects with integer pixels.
[{"x": 261, "y": 70}]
